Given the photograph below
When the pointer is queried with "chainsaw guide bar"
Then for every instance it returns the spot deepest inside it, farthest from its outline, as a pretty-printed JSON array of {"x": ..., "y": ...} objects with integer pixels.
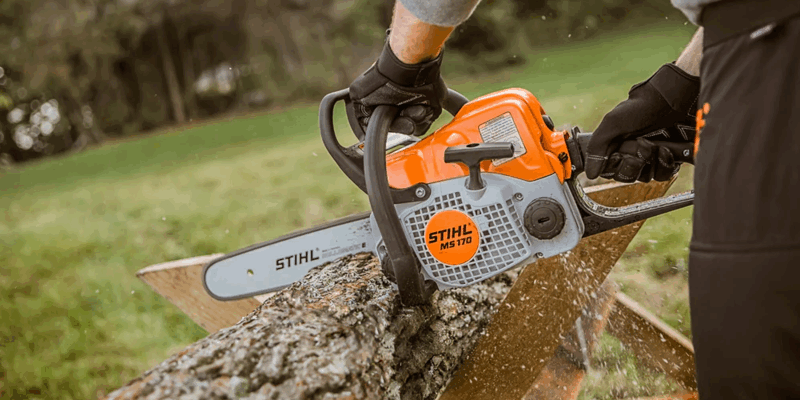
[{"x": 494, "y": 189}]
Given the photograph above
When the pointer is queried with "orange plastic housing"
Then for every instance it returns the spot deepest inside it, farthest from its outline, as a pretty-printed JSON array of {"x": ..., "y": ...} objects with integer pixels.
[{"x": 424, "y": 162}]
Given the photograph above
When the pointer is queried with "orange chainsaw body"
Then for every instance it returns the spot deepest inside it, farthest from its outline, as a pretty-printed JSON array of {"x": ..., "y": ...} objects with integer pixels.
[
  {"x": 447, "y": 231},
  {"x": 510, "y": 115}
]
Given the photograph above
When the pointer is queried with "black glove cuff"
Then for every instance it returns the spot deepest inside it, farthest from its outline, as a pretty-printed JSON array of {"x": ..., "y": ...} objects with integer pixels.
[
  {"x": 678, "y": 88},
  {"x": 413, "y": 75}
]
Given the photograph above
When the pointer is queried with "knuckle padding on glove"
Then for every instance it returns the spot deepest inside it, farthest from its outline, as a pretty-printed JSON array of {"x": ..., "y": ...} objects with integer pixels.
[
  {"x": 389, "y": 94},
  {"x": 676, "y": 87},
  {"x": 629, "y": 169},
  {"x": 417, "y": 89}
]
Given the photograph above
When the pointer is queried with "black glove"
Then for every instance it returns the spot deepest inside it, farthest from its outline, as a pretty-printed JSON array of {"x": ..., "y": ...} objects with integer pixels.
[
  {"x": 648, "y": 135},
  {"x": 418, "y": 89}
]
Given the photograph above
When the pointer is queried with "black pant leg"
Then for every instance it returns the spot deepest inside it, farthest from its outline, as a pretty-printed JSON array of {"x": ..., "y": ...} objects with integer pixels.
[
  {"x": 744, "y": 280},
  {"x": 746, "y": 324}
]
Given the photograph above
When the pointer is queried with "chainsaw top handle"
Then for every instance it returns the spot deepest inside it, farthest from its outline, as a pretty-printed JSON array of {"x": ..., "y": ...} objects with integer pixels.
[{"x": 349, "y": 160}]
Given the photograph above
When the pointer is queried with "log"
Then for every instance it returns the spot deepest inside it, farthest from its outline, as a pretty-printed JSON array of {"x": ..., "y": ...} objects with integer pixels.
[{"x": 341, "y": 332}]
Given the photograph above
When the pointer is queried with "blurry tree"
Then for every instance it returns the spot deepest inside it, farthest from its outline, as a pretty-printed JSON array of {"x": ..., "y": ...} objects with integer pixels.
[
  {"x": 116, "y": 67},
  {"x": 59, "y": 49},
  {"x": 33, "y": 124}
]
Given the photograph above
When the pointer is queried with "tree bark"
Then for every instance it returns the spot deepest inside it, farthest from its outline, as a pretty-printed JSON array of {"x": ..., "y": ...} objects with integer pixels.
[
  {"x": 290, "y": 53},
  {"x": 187, "y": 63},
  {"x": 173, "y": 87},
  {"x": 340, "y": 333}
]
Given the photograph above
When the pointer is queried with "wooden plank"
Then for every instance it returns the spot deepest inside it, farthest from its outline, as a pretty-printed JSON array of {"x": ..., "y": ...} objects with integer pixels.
[
  {"x": 544, "y": 302},
  {"x": 180, "y": 282},
  {"x": 561, "y": 378},
  {"x": 656, "y": 344}
]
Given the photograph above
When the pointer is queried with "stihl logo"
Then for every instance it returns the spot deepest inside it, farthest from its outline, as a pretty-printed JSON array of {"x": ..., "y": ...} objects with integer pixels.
[
  {"x": 295, "y": 260},
  {"x": 452, "y": 237},
  {"x": 443, "y": 237}
]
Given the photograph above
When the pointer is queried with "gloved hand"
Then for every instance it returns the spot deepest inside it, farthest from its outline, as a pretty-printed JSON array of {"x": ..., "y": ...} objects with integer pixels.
[
  {"x": 648, "y": 135},
  {"x": 418, "y": 89}
]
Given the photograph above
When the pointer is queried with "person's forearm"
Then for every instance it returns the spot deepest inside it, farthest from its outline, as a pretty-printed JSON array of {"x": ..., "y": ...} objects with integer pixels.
[
  {"x": 689, "y": 60},
  {"x": 414, "y": 41}
]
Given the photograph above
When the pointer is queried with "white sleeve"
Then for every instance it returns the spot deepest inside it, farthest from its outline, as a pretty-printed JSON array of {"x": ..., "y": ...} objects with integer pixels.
[
  {"x": 441, "y": 12},
  {"x": 692, "y": 8}
]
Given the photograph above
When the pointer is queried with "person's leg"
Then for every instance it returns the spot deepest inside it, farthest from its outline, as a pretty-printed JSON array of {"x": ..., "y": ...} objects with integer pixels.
[
  {"x": 746, "y": 324},
  {"x": 744, "y": 278}
]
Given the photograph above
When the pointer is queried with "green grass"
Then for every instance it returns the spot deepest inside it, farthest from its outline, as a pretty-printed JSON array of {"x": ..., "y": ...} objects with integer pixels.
[
  {"x": 616, "y": 374},
  {"x": 76, "y": 323},
  {"x": 654, "y": 271}
]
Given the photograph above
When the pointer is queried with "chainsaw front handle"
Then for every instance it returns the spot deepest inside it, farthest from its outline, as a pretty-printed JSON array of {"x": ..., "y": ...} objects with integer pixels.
[
  {"x": 400, "y": 260},
  {"x": 348, "y": 159}
]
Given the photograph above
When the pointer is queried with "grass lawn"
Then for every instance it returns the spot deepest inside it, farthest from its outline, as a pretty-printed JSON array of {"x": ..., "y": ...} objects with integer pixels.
[{"x": 76, "y": 323}]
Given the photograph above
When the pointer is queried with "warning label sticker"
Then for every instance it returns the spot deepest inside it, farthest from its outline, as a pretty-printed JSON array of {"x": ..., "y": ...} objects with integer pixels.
[{"x": 502, "y": 129}]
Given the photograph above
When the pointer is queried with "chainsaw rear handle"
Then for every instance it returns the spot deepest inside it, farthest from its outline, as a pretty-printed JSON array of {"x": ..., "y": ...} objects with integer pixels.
[
  {"x": 348, "y": 159},
  {"x": 599, "y": 218}
]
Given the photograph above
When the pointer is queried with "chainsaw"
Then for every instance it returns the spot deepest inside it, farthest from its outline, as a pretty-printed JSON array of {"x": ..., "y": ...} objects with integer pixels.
[{"x": 493, "y": 189}]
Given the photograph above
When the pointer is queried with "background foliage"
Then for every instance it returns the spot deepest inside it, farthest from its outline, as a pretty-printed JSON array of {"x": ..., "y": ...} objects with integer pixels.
[{"x": 77, "y": 72}]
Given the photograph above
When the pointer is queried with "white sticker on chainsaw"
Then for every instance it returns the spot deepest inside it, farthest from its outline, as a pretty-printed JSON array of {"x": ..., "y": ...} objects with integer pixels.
[{"x": 502, "y": 129}]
